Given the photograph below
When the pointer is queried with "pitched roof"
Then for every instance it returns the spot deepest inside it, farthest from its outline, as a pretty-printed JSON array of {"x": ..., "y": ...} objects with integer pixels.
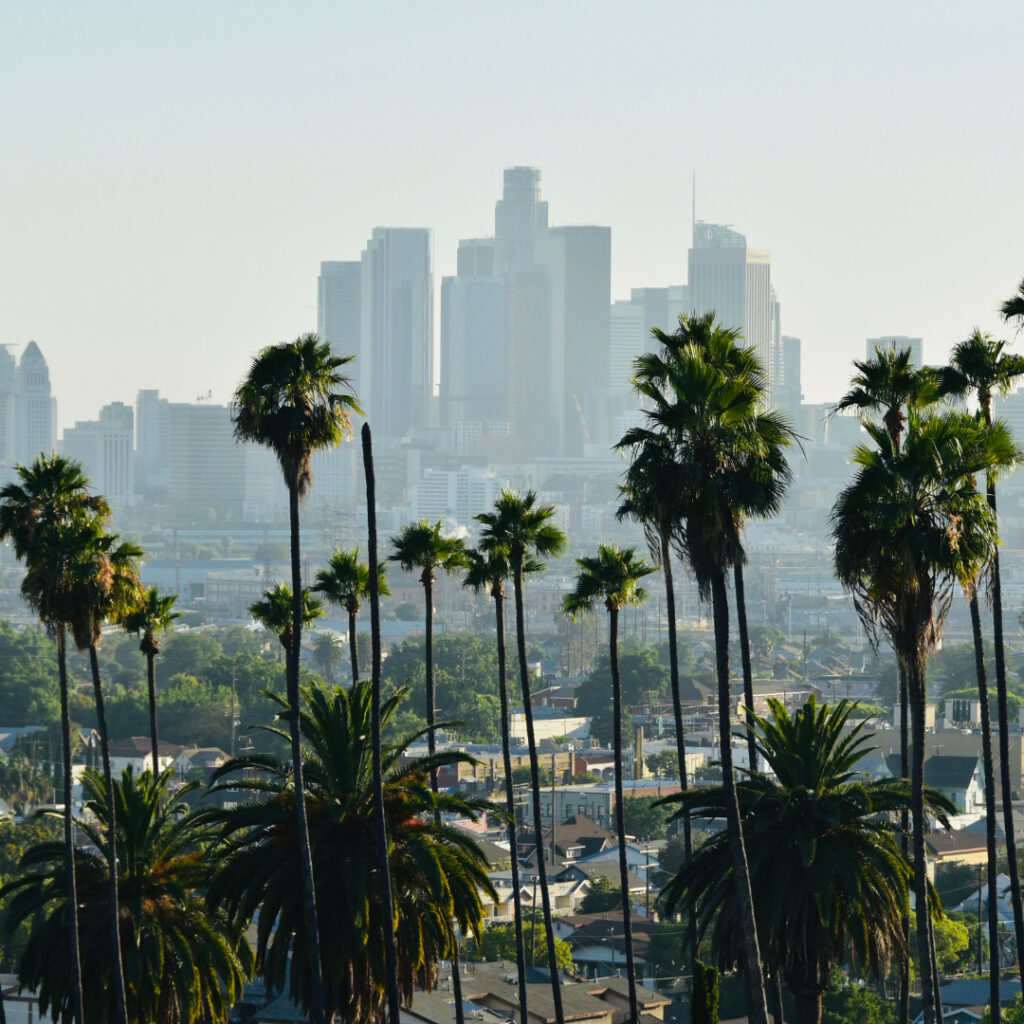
[
  {"x": 141, "y": 746},
  {"x": 947, "y": 771}
]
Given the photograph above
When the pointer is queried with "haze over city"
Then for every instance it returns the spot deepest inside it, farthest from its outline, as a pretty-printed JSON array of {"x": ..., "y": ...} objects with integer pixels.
[{"x": 174, "y": 176}]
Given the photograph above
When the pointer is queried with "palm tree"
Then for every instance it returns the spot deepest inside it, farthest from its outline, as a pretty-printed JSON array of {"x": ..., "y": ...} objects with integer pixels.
[
  {"x": 437, "y": 871},
  {"x": 489, "y": 571},
  {"x": 521, "y": 531},
  {"x": 346, "y": 583},
  {"x": 187, "y": 962},
  {"x": 296, "y": 401},
  {"x": 908, "y": 529},
  {"x": 829, "y": 877},
  {"x": 710, "y": 412},
  {"x": 106, "y": 587},
  {"x": 421, "y": 547},
  {"x": 43, "y": 515},
  {"x": 650, "y": 495},
  {"x": 1013, "y": 307},
  {"x": 274, "y": 612},
  {"x": 327, "y": 654},
  {"x": 613, "y": 578},
  {"x": 152, "y": 616},
  {"x": 381, "y": 844},
  {"x": 979, "y": 368}
]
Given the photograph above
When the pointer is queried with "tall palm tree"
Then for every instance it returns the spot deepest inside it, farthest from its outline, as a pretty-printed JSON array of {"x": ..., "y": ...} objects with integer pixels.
[
  {"x": 106, "y": 587},
  {"x": 187, "y": 962},
  {"x": 422, "y": 548},
  {"x": 711, "y": 413},
  {"x": 520, "y": 531},
  {"x": 327, "y": 654},
  {"x": 1013, "y": 308},
  {"x": 613, "y": 579},
  {"x": 908, "y": 529},
  {"x": 151, "y": 617},
  {"x": 295, "y": 400},
  {"x": 830, "y": 879},
  {"x": 381, "y": 843},
  {"x": 42, "y": 514},
  {"x": 346, "y": 583},
  {"x": 438, "y": 872},
  {"x": 979, "y": 368},
  {"x": 489, "y": 571},
  {"x": 650, "y": 495}
]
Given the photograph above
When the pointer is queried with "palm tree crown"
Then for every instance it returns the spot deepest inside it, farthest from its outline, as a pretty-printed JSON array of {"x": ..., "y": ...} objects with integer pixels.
[
  {"x": 437, "y": 871},
  {"x": 1013, "y": 307},
  {"x": 979, "y": 367},
  {"x": 154, "y": 614},
  {"x": 611, "y": 578},
  {"x": 422, "y": 547},
  {"x": 274, "y": 611},
  {"x": 295, "y": 401},
  {"x": 520, "y": 527},
  {"x": 346, "y": 581}
]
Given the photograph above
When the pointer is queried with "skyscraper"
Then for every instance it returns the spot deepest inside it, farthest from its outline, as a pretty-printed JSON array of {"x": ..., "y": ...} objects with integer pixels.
[
  {"x": 899, "y": 342},
  {"x": 104, "y": 447},
  {"x": 339, "y": 296},
  {"x": 519, "y": 217},
  {"x": 396, "y": 353},
  {"x": 8, "y": 410},
  {"x": 35, "y": 408},
  {"x": 474, "y": 357}
]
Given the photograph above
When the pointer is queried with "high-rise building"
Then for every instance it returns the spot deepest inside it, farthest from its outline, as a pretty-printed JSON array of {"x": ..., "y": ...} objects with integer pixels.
[
  {"x": 152, "y": 440},
  {"x": 576, "y": 263},
  {"x": 629, "y": 339},
  {"x": 519, "y": 218},
  {"x": 8, "y": 410},
  {"x": 104, "y": 448},
  {"x": 205, "y": 464},
  {"x": 474, "y": 357},
  {"x": 339, "y": 296},
  {"x": 35, "y": 406},
  {"x": 899, "y": 342},
  {"x": 788, "y": 388},
  {"x": 735, "y": 282},
  {"x": 396, "y": 375}
]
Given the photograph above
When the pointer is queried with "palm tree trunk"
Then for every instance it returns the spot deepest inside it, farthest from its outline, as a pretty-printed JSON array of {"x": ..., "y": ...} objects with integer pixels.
[
  {"x": 510, "y": 803},
  {"x": 775, "y": 994},
  {"x": 428, "y": 651},
  {"x": 808, "y": 1007},
  {"x": 113, "y": 897},
  {"x": 312, "y": 920},
  {"x": 757, "y": 1008},
  {"x": 353, "y": 643},
  {"x": 542, "y": 872},
  {"x": 383, "y": 862},
  {"x": 69, "y": 835},
  {"x": 677, "y": 712},
  {"x": 620, "y": 811},
  {"x": 916, "y": 688},
  {"x": 904, "y": 1004},
  {"x": 1004, "y": 745},
  {"x": 990, "y": 811},
  {"x": 748, "y": 674},
  {"x": 936, "y": 982},
  {"x": 151, "y": 685}
]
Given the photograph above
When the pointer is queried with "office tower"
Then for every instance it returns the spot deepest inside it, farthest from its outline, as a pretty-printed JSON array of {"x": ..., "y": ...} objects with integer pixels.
[
  {"x": 519, "y": 217},
  {"x": 205, "y": 464},
  {"x": 396, "y": 375},
  {"x": 104, "y": 448},
  {"x": 35, "y": 407},
  {"x": 474, "y": 359},
  {"x": 678, "y": 304},
  {"x": 788, "y": 387},
  {"x": 735, "y": 282},
  {"x": 8, "y": 409},
  {"x": 339, "y": 296},
  {"x": 152, "y": 437},
  {"x": 576, "y": 263},
  {"x": 899, "y": 342},
  {"x": 629, "y": 339}
]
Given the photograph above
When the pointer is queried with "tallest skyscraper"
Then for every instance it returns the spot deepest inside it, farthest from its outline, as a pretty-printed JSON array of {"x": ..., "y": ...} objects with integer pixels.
[{"x": 520, "y": 216}]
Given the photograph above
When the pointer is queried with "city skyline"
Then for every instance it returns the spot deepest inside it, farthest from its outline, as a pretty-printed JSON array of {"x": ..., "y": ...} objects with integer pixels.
[{"x": 173, "y": 200}]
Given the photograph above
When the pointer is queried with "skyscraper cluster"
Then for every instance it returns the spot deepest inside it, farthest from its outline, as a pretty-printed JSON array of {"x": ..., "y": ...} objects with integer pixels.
[{"x": 28, "y": 410}]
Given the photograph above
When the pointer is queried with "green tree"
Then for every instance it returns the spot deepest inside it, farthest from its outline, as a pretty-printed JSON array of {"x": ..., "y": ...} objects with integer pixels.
[
  {"x": 295, "y": 400},
  {"x": 274, "y": 612},
  {"x": 152, "y": 616},
  {"x": 910, "y": 528},
  {"x": 186, "y": 964},
  {"x": 643, "y": 818},
  {"x": 705, "y": 993},
  {"x": 1013, "y": 308},
  {"x": 346, "y": 583},
  {"x": 438, "y": 873},
  {"x": 498, "y": 942},
  {"x": 602, "y": 896},
  {"x": 522, "y": 533},
  {"x": 23, "y": 785},
  {"x": 829, "y": 878},
  {"x": 327, "y": 654}
]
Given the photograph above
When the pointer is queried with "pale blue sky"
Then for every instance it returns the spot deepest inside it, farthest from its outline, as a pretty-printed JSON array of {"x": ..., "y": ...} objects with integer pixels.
[{"x": 172, "y": 174}]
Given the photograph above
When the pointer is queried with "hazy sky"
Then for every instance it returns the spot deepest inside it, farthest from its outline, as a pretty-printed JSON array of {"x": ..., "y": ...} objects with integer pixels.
[{"x": 171, "y": 175}]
